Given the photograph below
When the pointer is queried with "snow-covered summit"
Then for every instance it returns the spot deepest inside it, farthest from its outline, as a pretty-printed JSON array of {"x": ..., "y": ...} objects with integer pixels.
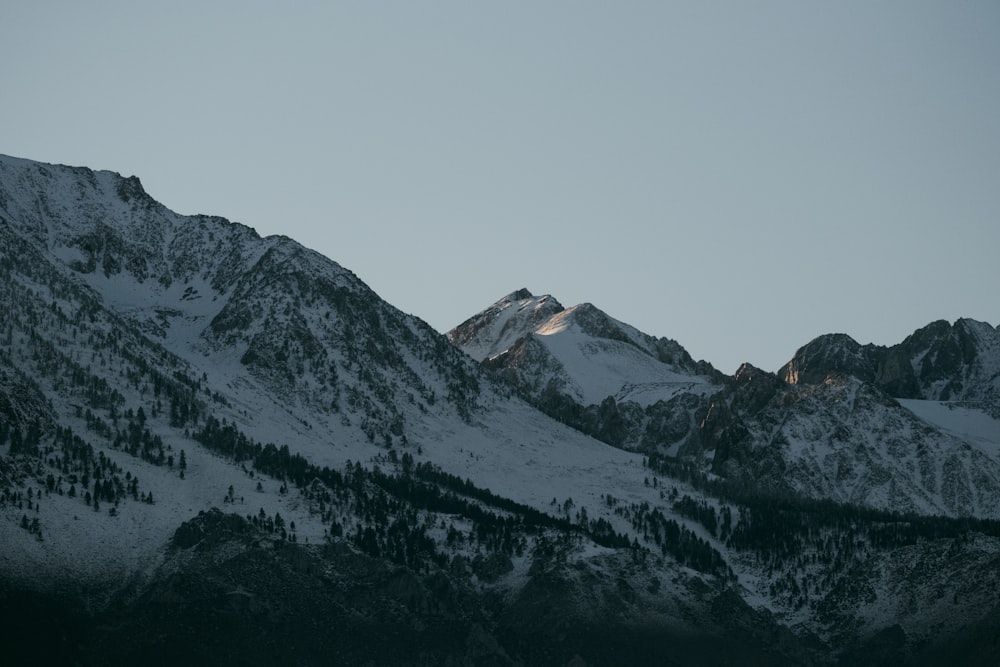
[
  {"x": 81, "y": 207},
  {"x": 589, "y": 354},
  {"x": 497, "y": 328}
]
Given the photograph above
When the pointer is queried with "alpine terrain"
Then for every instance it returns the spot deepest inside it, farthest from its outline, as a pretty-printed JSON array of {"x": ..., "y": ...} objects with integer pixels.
[{"x": 222, "y": 448}]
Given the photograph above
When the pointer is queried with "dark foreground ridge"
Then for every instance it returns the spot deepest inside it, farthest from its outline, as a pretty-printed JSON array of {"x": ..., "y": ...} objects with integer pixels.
[{"x": 232, "y": 594}]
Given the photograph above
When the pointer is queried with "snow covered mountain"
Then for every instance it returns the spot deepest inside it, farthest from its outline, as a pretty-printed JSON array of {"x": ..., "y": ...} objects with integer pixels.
[
  {"x": 828, "y": 431},
  {"x": 155, "y": 366},
  {"x": 589, "y": 370},
  {"x": 923, "y": 416},
  {"x": 217, "y": 447},
  {"x": 846, "y": 440}
]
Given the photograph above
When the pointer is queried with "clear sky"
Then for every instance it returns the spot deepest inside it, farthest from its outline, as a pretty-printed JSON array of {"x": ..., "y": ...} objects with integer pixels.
[{"x": 738, "y": 176}]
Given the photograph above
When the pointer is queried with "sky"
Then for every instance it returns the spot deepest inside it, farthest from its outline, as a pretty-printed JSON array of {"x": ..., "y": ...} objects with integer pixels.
[{"x": 738, "y": 176}]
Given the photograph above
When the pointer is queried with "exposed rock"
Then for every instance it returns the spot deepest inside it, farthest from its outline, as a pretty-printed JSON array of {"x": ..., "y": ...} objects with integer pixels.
[{"x": 940, "y": 361}]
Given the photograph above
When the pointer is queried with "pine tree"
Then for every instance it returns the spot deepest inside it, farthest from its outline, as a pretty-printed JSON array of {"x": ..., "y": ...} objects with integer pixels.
[{"x": 16, "y": 441}]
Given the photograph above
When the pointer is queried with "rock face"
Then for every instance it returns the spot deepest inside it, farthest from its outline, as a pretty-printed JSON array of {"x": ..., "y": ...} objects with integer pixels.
[
  {"x": 832, "y": 353},
  {"x": 826, "y": 427},
  {"x": 941, "y": 362},
  {"x": 848, "y": 441}
]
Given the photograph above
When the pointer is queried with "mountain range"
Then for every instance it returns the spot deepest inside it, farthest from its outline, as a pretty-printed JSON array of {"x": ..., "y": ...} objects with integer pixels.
[
  {"x": 828, "y": 425},
  {"x": 218, "y": 447}
]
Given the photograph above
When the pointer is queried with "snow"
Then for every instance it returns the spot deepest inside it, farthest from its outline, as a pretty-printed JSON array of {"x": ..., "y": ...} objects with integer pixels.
[
  {"x": 510, "y": 449},
  {"x": 505, "y": 446},
  {"x": 974, "y": 427},
  {"x": 846, "y": 441},
  {"x": 593, "y": 366},
  {"x": 598, "y": 368},
  {"x": 99, "y": 548},
  {"x": 522, "y": 455},
  {"x": 504, "y": 323}
]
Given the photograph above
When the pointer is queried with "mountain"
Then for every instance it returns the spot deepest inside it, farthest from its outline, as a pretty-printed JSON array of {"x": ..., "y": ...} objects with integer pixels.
[
  {"x": 826, "y": 427},
  {"x": 939, "y": 362},
  {"x": 940, "y": 388},
  {"x": 589, "y": 370},
  {"x": 222, "y": 448},
  {"x": 158, "y": 366},
  {"x": 846, "y": 440}
]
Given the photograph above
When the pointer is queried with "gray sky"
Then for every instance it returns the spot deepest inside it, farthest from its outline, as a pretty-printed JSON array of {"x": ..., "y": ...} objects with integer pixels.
[{"x": 738, "y": 176}]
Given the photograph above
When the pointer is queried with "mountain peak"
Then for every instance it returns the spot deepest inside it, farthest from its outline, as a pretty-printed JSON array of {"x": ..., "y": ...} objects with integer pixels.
[
  {"x": 580, "y": 354},
  {"x": 939, "y": 361},
  {"x": 495, "y": 329},
  {"x": 747, "y": 372},
  {"x": 829, "y": 353},
  {"x": 953, "y": 361}
]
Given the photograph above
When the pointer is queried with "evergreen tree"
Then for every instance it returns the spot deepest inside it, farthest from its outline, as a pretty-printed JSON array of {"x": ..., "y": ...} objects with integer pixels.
[{"x": 16, "y": 441}]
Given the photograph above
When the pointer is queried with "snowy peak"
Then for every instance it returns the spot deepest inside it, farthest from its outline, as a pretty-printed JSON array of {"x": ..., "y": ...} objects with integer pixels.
[
  {"x": 109, "y": 230},
  {"x": 80, "y": 206},
  {"x": 494, "y": 330},
  {"x": 588, "y": 320},
  {"x": 269, "y": 313},
  {"x": 588, "y": 370},
  {"x": 520, "y": 313}
]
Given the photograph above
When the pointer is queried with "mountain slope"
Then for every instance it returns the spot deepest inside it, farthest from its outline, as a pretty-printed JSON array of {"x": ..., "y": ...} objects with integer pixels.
[
  {"x": 146, "y": 339},
  {"x": 848, "y": 441},
  {"x": 828, "y": 431}
]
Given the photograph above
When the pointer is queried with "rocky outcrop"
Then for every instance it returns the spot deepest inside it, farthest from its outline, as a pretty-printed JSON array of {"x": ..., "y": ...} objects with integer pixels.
[
  {"x": 940, "y": 361},
  {"x": 831, "y": 353}
]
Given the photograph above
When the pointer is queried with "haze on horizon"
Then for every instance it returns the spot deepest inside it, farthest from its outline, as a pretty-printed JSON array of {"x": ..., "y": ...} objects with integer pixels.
[{"x": 739, "y": 177}]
